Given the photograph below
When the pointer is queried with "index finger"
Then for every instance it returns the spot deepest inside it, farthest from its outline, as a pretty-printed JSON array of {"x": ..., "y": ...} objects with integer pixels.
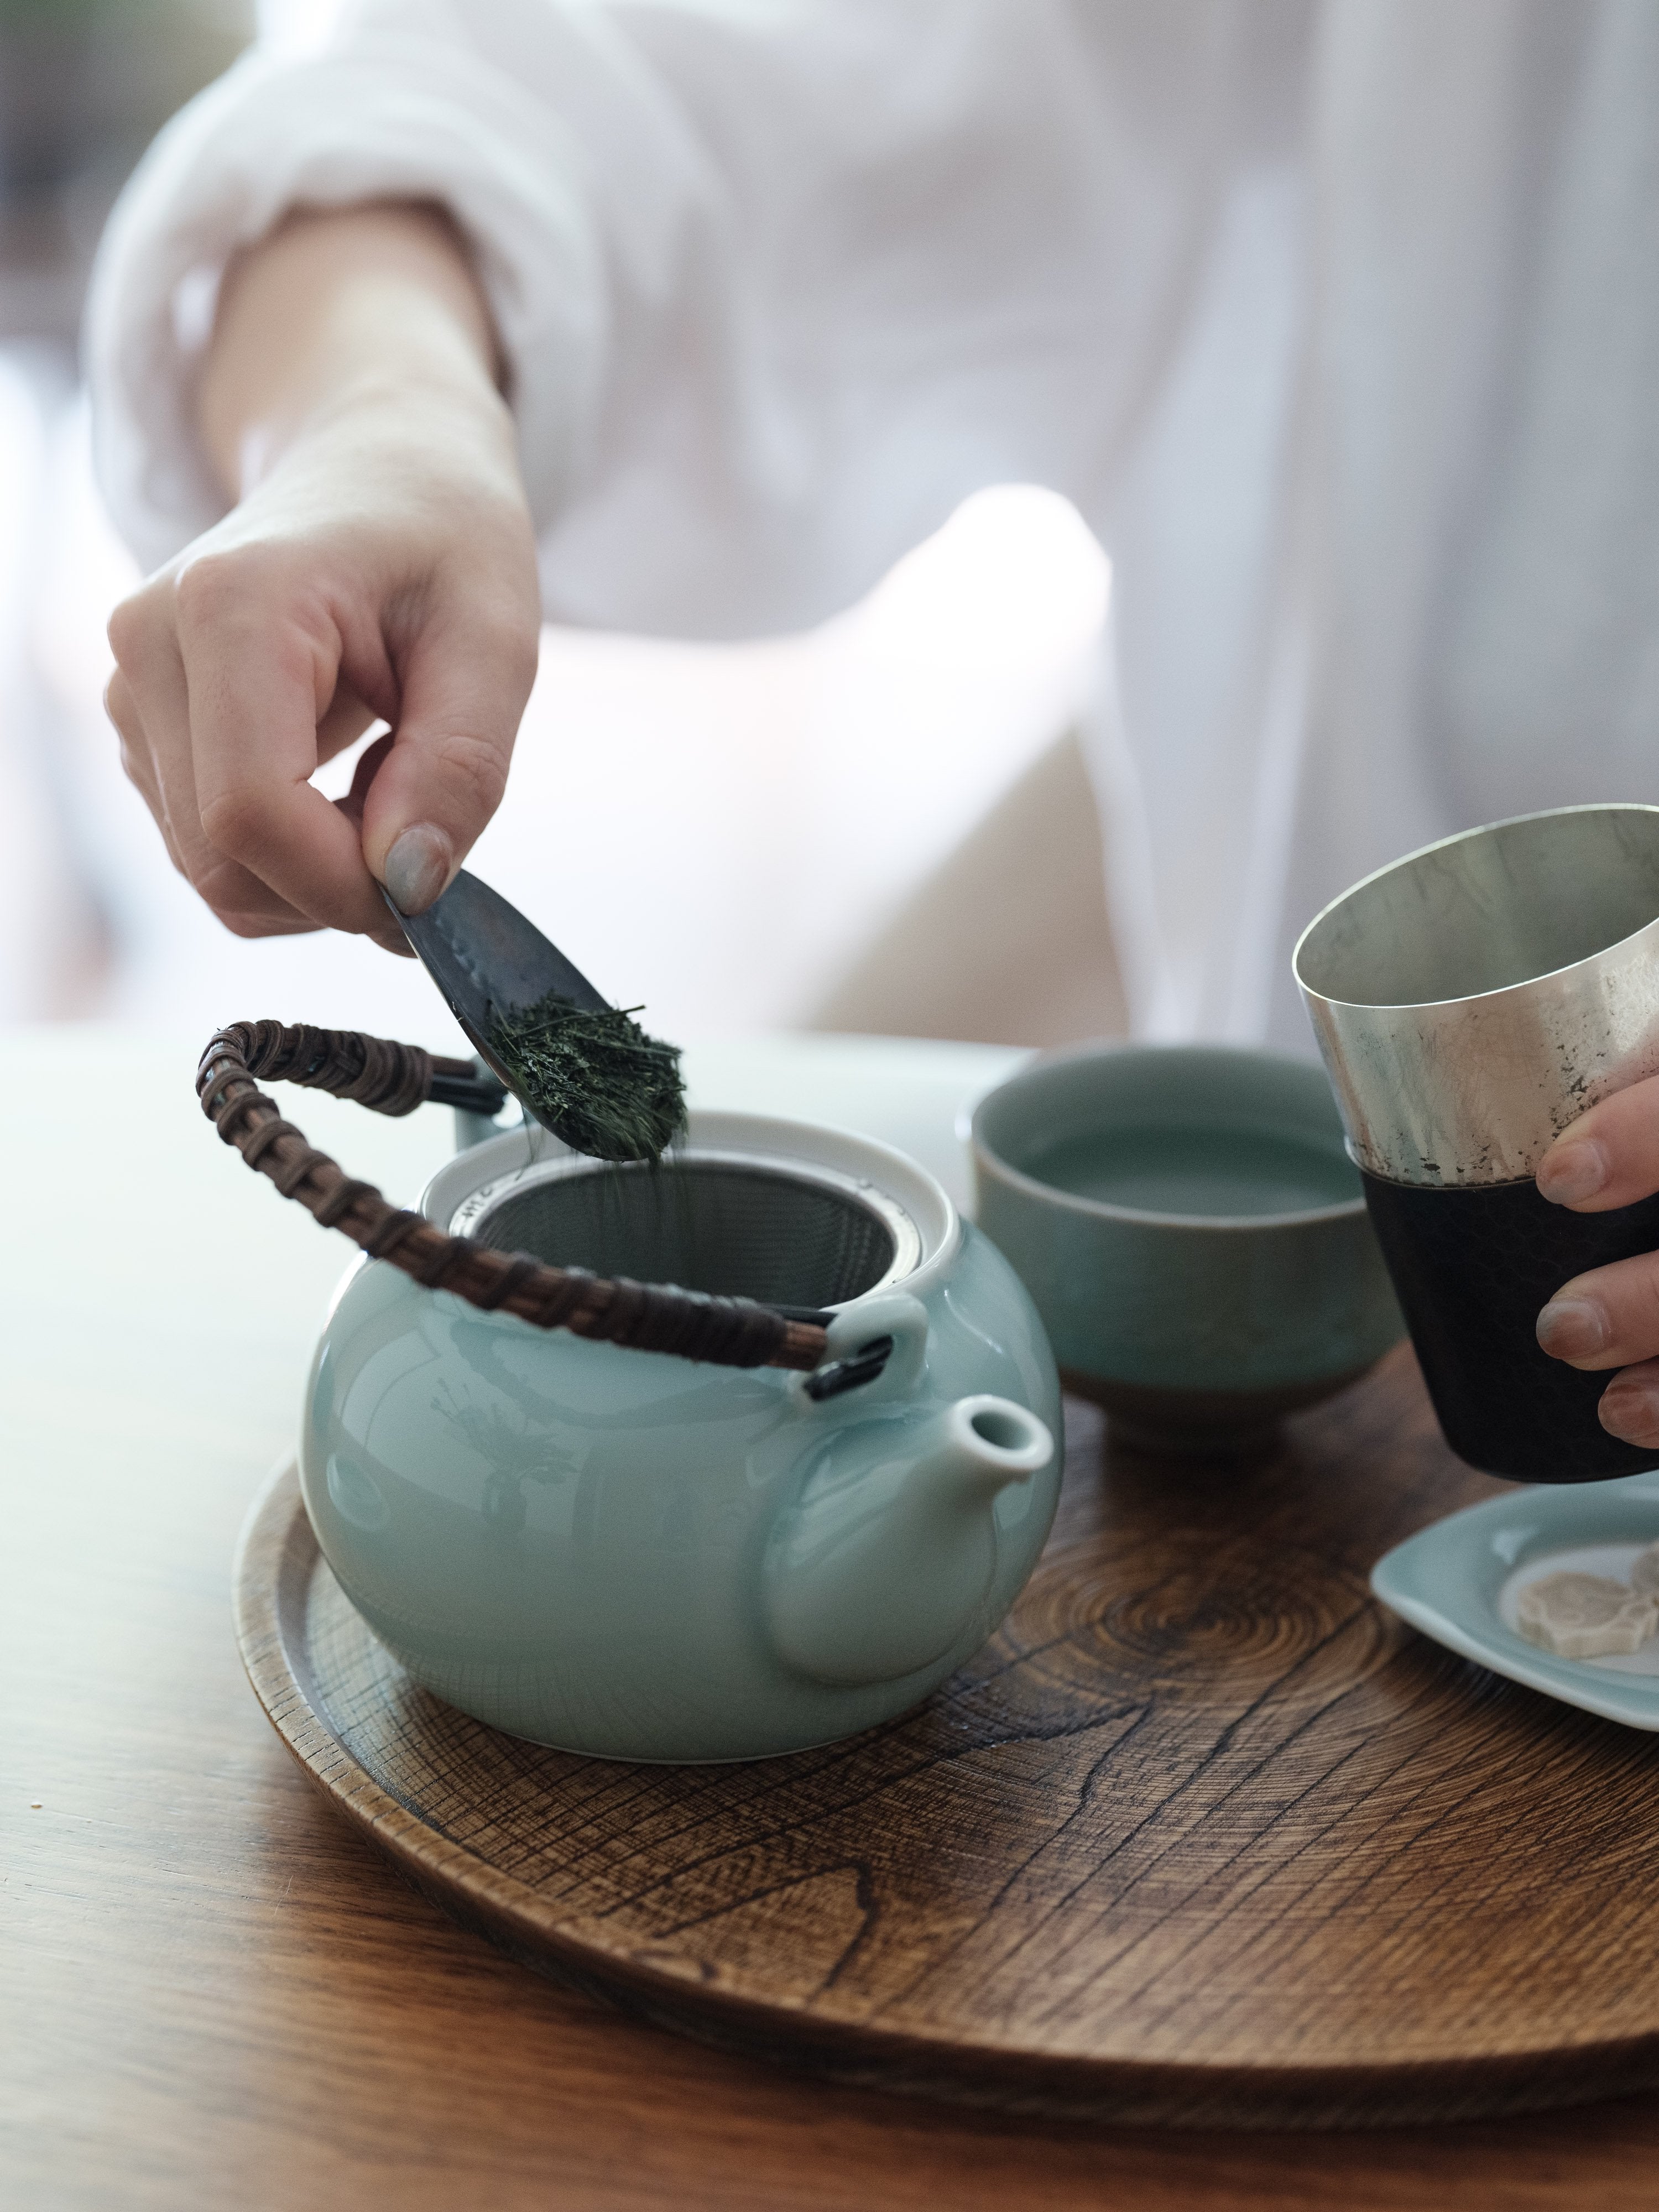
[
  {"x": 1608, "y": 1157},
  {"x": 260, "y": 680}
]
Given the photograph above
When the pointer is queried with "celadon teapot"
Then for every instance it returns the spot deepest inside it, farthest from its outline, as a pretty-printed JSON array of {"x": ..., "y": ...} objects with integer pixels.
[{"x": 633, "y": 1555}]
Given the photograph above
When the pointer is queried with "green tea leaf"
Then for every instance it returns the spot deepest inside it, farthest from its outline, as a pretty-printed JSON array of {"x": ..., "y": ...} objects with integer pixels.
[{"x": 593, "y": 1077}]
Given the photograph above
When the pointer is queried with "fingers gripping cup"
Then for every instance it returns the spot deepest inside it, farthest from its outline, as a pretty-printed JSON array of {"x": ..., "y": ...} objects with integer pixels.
[{"x": 1470, "y": 1002}]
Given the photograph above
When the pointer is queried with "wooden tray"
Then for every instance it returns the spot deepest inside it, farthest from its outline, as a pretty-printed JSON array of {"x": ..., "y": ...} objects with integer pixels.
[{"x": 1203, "y": 1836}]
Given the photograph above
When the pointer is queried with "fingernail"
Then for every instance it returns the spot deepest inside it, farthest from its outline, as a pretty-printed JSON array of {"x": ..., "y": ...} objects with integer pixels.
[
  {"x": 417, "y": 867},
  {"x": 1631, "y": 1411},
  {"x": 1571, "y": 1172},
  {"x": 1571, "y": 1328}
]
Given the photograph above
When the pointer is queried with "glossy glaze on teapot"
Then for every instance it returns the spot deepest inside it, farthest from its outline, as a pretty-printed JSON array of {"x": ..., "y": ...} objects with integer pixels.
[{"x": 637, "y": 1556}]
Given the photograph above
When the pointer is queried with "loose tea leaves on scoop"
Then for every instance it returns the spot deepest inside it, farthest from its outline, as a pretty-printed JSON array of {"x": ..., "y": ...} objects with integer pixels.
[{"x": 593, "y": 1076}]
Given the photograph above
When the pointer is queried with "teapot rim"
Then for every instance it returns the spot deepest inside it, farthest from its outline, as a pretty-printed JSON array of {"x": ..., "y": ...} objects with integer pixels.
[{"x": 881, "y": 1173}]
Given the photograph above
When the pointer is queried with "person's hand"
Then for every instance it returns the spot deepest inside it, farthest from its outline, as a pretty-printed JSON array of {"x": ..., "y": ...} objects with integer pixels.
[
  {"x": 380, "y": 564},
  {"x": 1609, "y": 1318}
]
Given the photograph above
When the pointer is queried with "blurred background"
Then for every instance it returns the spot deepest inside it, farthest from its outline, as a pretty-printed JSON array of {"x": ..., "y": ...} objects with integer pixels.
[{"x": 884, "y": 825}]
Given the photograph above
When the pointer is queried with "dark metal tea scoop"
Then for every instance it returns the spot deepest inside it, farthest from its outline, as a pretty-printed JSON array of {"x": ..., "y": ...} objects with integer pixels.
[
  {"x": 482, "y": 953},
  {"x": 582, "y": 1067}
]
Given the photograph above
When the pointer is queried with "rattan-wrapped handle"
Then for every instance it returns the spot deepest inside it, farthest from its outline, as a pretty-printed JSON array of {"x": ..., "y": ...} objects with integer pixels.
[{"x": 395, "y": 1079}]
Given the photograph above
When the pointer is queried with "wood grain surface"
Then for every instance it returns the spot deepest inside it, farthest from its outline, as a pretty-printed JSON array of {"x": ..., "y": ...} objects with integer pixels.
[
  {"x": 1204, "y": 1836},
  {"x": 212, "y": 1991}
]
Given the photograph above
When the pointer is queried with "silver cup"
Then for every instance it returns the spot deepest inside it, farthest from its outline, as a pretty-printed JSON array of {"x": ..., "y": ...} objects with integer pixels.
[{"x": 1470, "y": 1002}]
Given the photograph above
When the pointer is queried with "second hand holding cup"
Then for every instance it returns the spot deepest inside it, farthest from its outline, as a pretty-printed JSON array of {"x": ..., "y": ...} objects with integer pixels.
[{"x": 1470, "y": 1002}]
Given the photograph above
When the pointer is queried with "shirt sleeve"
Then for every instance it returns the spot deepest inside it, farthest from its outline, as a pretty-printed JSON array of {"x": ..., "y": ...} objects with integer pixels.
[{"x": 778, "y": 281}]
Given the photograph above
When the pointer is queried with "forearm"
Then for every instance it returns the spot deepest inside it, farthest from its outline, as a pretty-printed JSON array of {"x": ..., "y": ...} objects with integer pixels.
[
  {"x": 338, "y": 311},
  {"x": 378, "y": 562},
  {"x": 642, "y": 188}
]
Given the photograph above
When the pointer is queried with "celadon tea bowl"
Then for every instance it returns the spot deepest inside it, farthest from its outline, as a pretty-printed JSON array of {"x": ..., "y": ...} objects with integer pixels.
[
  {"x": 1193, "y": 1231},
  {"x": 636, "y": 1556}
]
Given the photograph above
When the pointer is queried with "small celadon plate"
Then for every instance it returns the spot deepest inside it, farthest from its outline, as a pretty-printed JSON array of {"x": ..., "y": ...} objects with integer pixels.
[{"x": 1459, "y": 1580}]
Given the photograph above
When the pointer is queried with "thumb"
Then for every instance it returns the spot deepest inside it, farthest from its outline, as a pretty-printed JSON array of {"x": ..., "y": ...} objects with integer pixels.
[{"x": 444, "y": 772}]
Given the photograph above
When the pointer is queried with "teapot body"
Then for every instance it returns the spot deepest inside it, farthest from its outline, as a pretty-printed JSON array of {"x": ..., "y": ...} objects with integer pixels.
[{"x": 596, "y": 1547}]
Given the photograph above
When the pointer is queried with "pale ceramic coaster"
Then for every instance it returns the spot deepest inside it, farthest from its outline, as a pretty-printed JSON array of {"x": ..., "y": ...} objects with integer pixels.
[{"x": 1459, "y": 1580}]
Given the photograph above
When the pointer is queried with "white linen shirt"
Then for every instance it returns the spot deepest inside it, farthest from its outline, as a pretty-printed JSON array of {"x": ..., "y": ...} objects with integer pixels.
[{"x": 1338, "y": 320}]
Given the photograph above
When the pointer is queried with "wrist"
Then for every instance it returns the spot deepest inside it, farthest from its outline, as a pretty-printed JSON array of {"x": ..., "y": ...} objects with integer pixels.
[
  {"x": 412, "y": 419},
  {"x": 365, "y": 315}
]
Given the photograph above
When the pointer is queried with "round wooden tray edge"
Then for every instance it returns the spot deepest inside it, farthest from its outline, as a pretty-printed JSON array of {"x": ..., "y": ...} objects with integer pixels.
[{"x": 275, "y": 1557}]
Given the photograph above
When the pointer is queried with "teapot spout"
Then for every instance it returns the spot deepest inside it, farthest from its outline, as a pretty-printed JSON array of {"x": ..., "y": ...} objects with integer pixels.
[{"x": 888, "y": 1558}]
